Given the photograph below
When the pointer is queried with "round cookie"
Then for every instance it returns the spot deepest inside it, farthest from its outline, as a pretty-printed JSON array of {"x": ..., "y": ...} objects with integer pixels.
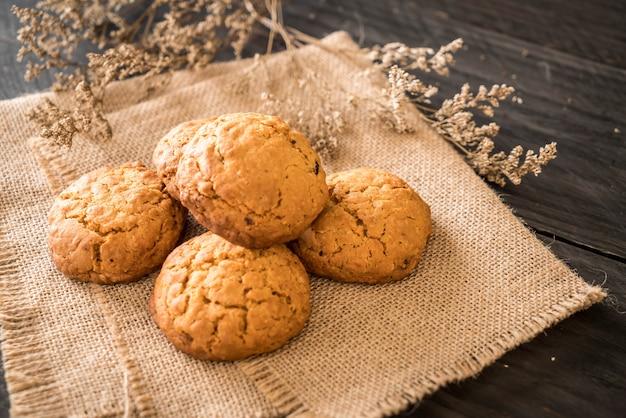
[
  {"x": 373, "y": 230},
  {"x": 218, "y": 301},
  {"x": 167, "y": 152},
  {"x": 113, "y": 225},
  {"x": 251, "y": 179}
]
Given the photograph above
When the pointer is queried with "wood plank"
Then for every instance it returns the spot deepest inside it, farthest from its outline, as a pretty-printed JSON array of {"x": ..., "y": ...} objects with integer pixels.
[
  {"x": 4, "y": 394},
  {"x": 591, "y": 33}
]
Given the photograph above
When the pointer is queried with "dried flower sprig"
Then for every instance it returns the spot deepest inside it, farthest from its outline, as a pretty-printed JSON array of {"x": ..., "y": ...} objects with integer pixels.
[
  {"x": 133, "y": 37},
  {"x": 403, "y": 88},
  {"x": 321, "y": 123},
  {"x": 150, "y": 37},
  {"x": 499, "y": 167},
  {"x": 424, "y": 59},
  {"x": 454, "y": 120},
  {"x": 60, "y": 126}
]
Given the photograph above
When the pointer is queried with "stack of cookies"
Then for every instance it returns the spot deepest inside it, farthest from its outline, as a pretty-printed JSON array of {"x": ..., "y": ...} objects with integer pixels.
[{"x": 272, "y": 217}]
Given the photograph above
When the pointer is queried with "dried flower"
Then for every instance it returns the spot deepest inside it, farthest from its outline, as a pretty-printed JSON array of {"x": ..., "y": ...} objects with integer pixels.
[
  {"x": 424, "y": 59},
  {"x": 454, "y": 120},
  {"x": 150, "y": 37},
  {"x": 403, "y": 88},
  {"x": 500, "y": 166},
  {"x": 321, "y": 123},
  {"x": 134, "y": 38}
]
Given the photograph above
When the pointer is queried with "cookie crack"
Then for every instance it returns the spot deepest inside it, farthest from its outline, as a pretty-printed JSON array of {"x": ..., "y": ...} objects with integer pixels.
[
  {"x": 360, "y": 223},
  {"x": 283, "y": 297},
  {"x": 96, "y": 257},
  {"x": 315, "y": 169},
  {"x": 97, "y": 228}
]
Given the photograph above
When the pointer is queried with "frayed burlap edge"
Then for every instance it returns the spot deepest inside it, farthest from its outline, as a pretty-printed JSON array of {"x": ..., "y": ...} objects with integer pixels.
[
  {"x": 52, "y": 160},
  {"x": 457, "y": 372},
  {"x": 29, "y": 378},
  {"x": 273, "y": 387}
]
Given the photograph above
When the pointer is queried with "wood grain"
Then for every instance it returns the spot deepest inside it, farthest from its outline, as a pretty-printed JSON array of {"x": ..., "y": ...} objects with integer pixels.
[{"x": 567, "y": 61}]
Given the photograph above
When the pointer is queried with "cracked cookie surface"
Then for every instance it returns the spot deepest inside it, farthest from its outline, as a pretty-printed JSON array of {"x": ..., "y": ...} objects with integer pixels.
[
  {"x": 251, "y": 179},
  {"x": 167, "y": 152},
  {"x": 113, "y": 225},
  {"x": 373, "y": 230},
  {"x": 215, "y": 300}
]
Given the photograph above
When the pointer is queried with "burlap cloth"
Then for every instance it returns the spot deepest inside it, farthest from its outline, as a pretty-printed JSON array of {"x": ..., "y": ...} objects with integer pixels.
[{"x": 484, "y": 285}]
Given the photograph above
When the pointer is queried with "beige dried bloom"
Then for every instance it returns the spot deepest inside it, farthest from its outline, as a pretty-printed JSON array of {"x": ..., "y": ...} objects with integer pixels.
[
  {"x": 500, "y": 166},
  {"x": 454, "y": 120},
  {"x": 133, "y": 38},
  {"x": 485, "y": 100},
  {"x": 57, "y": 125},
  {"x": 403, "y": 88},
  {"x": 60, "y": 126},
  {"x": 423, "y": 59}
]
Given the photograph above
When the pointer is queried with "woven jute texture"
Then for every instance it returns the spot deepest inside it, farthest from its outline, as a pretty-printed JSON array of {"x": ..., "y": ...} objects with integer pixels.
[{"x": 484, "y": 285}]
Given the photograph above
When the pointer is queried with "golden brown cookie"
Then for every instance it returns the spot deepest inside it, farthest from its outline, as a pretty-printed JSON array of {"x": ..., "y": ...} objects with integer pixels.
[
  {"x": 251, "y": 179},
  {"x": 373, "y": 230},
  {"x": 167, "y": 152},
  {"x": 114, "y": 225},
  {"x": 218, "y": 301}
]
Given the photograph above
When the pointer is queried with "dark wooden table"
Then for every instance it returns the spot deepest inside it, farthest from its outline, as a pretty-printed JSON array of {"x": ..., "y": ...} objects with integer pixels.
[{"x": 567, "y": 61}]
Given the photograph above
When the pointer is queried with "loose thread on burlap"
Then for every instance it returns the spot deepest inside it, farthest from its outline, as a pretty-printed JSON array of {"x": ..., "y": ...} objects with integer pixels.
[
  {"x": 127, "y": 409},
  {"x": 30, "y": 381},
  {"x": 273, "y": 387},
  {"x": 133, "y": 384}
]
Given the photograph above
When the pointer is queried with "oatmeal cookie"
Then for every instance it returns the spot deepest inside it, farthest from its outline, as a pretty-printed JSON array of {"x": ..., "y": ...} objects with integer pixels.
[
  {"x": 113, "y": 225},
  {"x": 373, "y": 230},
  {"x": 167, "y": 152},
  {"x": 251, "y": 179},
  {"x": 215, "y": 300}
]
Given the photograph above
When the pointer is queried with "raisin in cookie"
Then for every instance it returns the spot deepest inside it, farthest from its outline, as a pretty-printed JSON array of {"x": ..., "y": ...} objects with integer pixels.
[
  {"x": 373, "y": 230},
  {"x": 251, "y": 179},
  {"x": 218, "y": 301},
  {"x": 114, "y": 225},
  {"x": 167, "y": 152}
]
